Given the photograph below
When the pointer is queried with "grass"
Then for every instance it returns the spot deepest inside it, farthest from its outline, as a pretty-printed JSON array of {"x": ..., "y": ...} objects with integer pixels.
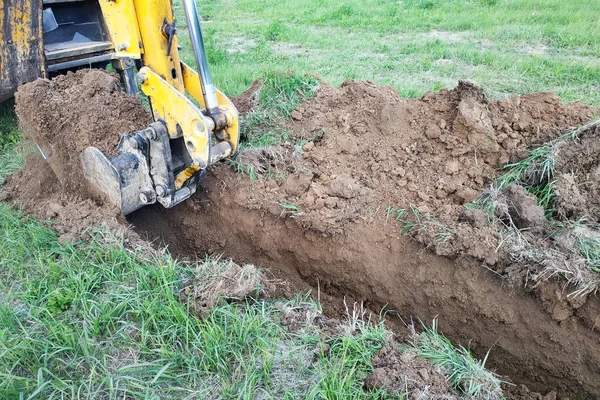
[
  {"x": 587, "y": 242},
  {"x": 9, "y": 133},
  {"x": 264, "y": 127},
  {"x": 508, "y": 46},
  {"x": 465, "y": 373},
  {"x": 97, "y": 320},
  {"x": 280, "y": 93}
]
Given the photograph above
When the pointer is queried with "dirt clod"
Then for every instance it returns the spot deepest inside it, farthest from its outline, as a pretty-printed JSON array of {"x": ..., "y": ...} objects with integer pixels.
[
  {"x": 403, "y": 372},
  {"x": 523, "y": 208}
]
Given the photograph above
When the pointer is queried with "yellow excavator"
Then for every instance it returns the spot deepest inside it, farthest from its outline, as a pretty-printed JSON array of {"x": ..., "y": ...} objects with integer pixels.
[{"x": 163, "y": 163}]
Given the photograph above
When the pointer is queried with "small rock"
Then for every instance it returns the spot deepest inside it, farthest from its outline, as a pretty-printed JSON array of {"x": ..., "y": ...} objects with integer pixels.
[
  {"x": 308, "y": 146},
  {"x": 296, "y": 115},
  {"x": 4, "y": 196},
  {"x": 424, "y": 374}
]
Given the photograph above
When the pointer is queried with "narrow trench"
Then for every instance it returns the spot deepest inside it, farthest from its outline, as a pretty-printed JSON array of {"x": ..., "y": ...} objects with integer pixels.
[{"x": 381, "y": 268}]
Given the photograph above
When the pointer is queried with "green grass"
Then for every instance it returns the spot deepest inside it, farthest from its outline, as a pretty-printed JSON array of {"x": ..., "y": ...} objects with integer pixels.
[
  {"x": 465, "y": 373},
  {"x": 9, "y": 134},
  {"x": 508, "y": 46},
  {"x": 97, "y": 320},
  {"x": 279, "y": 95}
]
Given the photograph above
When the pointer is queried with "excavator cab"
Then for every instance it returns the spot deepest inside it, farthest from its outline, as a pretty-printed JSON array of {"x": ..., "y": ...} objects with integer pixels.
[{"x": 164, "y": 162}]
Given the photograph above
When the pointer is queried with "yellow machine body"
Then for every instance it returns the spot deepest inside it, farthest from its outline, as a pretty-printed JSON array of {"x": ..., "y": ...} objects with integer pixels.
[{"x": 21, "y": 52}]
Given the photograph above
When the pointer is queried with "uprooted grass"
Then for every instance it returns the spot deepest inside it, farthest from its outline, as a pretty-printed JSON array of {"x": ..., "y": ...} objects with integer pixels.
[
  {"x": 96, "y": 320},
  {"x": 464, "y": 372},
  {"x": 535, "y": 172},
  {"x": 577, "y": 258}
]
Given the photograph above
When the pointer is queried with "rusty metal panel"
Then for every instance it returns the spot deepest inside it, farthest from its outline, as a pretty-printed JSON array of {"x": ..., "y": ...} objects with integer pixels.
[{"x": 21, "y": 47}]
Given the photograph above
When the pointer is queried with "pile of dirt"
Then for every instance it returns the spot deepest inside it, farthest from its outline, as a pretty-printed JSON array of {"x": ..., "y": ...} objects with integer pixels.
[
  {"x": 577, "y": 177},
  {"x": 380, "y": 151},
  {"x": 64, "y": 116},
  {"x": 67, "y": 114},
  {"x": 333, "y": 221}
]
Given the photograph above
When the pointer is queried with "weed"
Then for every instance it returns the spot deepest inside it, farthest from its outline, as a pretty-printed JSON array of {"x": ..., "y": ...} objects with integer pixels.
[
  {"x": 397, "y": 213},
  {"x": 464, "y": 372},
  {"x": 291, "y": 210}
]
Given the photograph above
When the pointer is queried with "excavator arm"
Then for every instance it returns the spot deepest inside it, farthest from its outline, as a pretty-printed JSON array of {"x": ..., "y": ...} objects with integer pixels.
[{"x": 195, "y": 124}]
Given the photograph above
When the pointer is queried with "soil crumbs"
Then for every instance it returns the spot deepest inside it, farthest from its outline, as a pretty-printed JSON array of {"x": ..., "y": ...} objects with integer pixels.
[
  {"x": 367, "y": 156},
  {"x": 64, "y": 116}
]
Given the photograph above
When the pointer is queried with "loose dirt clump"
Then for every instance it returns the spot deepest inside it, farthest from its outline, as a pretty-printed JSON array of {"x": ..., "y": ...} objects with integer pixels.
[{"x": 405, "y": 373}]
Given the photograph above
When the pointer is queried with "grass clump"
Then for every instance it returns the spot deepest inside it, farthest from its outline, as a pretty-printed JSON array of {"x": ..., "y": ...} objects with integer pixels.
[
  {"x": 465, "y": 373},
  {"x": 535, "y": 173},
  {"x": 280, "y": 93},
  {"x": 9, "y": 133}
]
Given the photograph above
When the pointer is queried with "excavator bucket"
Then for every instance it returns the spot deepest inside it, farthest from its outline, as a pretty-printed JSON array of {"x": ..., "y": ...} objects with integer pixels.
[{"x": 21, "y": 48}]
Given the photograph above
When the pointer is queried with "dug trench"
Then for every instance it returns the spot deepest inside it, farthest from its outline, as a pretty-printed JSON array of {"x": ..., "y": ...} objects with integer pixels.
[{"x": 326, "y": 211}]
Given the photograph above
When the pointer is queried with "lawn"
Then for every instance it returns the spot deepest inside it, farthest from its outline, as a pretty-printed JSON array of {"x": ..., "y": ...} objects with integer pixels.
[
  {"x": 91, "y": 320},
  {"x": 508, "y": 46}
]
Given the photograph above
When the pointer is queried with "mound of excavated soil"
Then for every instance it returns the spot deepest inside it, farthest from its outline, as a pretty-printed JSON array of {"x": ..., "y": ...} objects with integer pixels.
[
  {"x": 67, "y": 114},
  {"x": 577, "y": 178},
  {"x": 64, "y": 116},
  {"x": 330, "y": 222},
  {"x": 379, "y": 150}
]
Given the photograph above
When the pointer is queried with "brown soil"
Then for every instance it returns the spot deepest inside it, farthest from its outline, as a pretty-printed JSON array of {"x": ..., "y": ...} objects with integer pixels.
[
  {"x": 577, "y": 185},
  {"x": 401, "y": 373},
  {"x": 331, "y": 224},
  {"x": 67, "y": 114}
]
